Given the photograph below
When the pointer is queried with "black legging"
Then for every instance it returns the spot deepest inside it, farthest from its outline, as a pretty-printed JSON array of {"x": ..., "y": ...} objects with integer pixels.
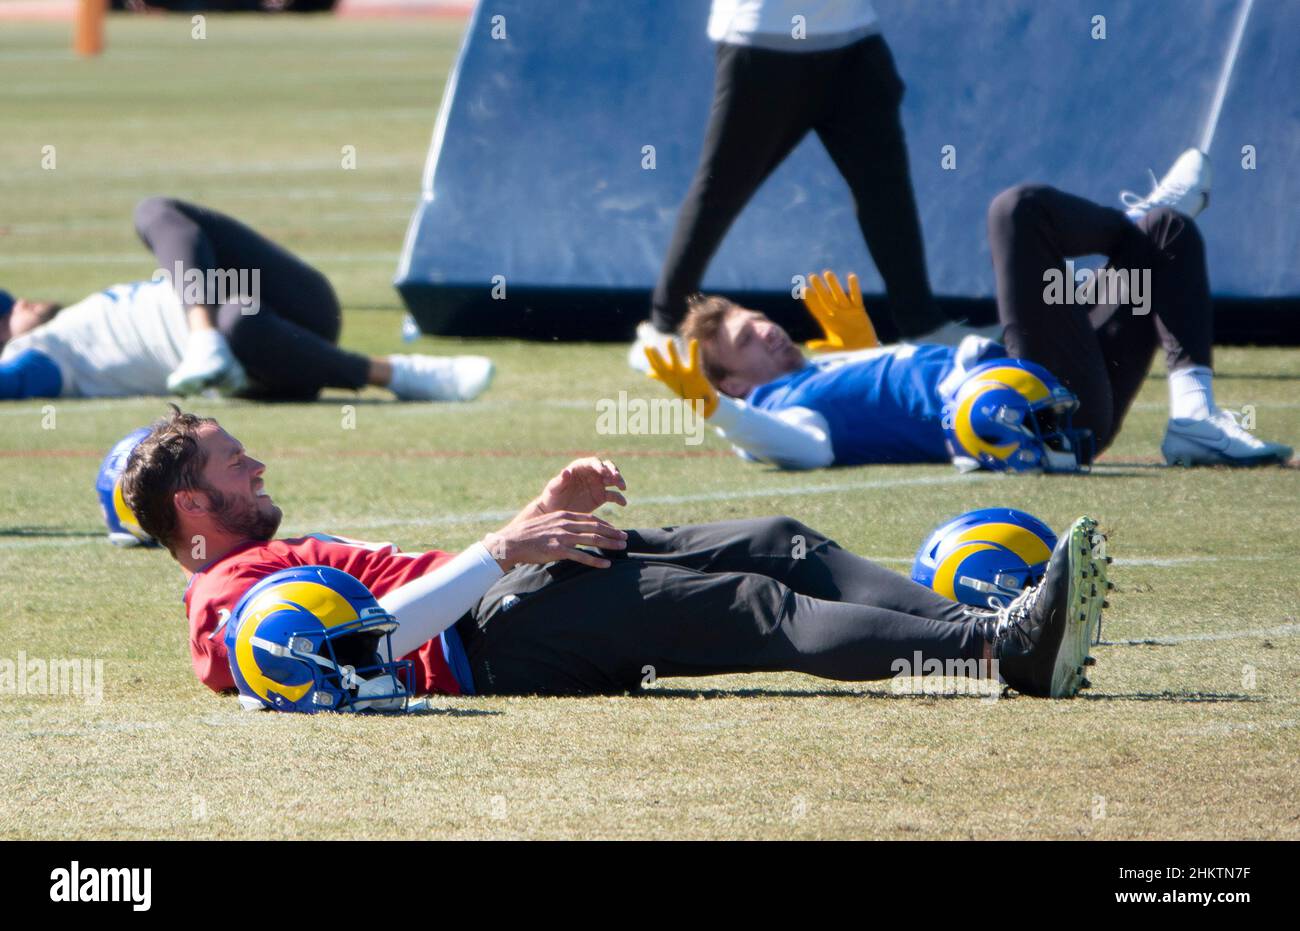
[
  {"x": 769, "y": 594},
  {"x": 288, "y": 347},
  {"x": 764, "y": 103},
  {"x": 1101, "y": 353}
]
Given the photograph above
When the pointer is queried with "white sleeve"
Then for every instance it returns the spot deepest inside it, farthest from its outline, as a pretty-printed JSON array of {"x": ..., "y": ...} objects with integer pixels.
[
  {"x": 793, "y": 438},
  {"x": 430, "y": 604}
]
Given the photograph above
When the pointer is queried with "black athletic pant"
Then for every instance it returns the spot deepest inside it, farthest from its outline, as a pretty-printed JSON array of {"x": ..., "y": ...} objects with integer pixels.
[
  {"x": 288, "y": 347},
  {"x": 1102, "y": 353},
  {"x": 705, "y": 600},
  {"x": 764, "y": 103}
]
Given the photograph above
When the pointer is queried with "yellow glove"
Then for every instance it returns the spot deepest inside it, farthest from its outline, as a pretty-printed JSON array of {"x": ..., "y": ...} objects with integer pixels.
[
  {"x": 687, "y": 381},
  {"x": 843, "y": 318}
]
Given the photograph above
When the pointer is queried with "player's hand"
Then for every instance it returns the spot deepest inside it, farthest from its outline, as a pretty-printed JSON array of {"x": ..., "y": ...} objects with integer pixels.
[
  {"x": 554, "y": 536},
  {"x": 685, "y": 379},
  {"x": 584, "y": 485},
  {"x": 842, "y": 317}
]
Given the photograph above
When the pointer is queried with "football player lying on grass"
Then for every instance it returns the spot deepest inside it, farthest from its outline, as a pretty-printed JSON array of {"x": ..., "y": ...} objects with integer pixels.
[
  {"x": 274, "y": 335},
  {"x": 920, "y": 403},
  {"x": 560, "y": 601}
]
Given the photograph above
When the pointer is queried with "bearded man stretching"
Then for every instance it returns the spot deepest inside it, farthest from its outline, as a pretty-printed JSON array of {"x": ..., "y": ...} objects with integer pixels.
[{"x": 560, "y": 601}]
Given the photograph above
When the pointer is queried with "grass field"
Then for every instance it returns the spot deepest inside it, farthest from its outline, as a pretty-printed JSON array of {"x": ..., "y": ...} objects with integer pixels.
[{"x": 1192, "y": 729}]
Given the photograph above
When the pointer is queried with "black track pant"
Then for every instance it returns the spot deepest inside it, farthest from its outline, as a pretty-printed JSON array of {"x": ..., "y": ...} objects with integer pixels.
[
  {"x": 768, "y": 594},
  {"x": 1101, "y": 352},
  {"x": 764, "y": 103},
  {"x": 288, "y": 347}
]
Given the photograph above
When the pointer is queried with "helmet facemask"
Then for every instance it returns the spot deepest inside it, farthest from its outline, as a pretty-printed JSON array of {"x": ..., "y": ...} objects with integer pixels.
[
  {"x": 1012, "y": 415},
  {"x": 1065, "y": 449},
  {"x": 349, "y": 667}
]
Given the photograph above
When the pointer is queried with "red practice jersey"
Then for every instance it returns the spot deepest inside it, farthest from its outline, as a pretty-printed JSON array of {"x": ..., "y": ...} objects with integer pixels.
[{"x": 214, "y": 591}]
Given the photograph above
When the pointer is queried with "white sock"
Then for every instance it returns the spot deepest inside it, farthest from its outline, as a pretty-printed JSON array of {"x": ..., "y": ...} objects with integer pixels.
[
  {"x": 1191, "y": 393},
  {"x": 399, "y": 383}
]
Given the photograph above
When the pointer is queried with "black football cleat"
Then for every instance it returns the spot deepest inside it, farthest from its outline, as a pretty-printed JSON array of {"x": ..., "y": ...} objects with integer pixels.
[{"x": 1043, "y": 638}]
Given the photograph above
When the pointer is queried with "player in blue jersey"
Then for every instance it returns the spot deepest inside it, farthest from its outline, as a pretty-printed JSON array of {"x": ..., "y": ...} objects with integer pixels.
[
  {"x": 886, "y": 403},
  {"x": 880, "y": 404}
]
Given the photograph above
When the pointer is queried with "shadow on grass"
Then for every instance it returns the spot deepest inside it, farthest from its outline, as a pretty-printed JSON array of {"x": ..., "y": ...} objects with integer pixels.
[
  {"x": 1241, "y": 376},
  {"x": 1162, "y": 467},
  {"x": 30, "y": 532},
  {"x": 1192, "y": 698},
  {"x": 1121, "y": 470},
  {"x": 658, "y": 692},
  {"x": 1261, "y": 376},
  {"x": 693, "y": 694},
  {"x": 453, "y": 712},
  {"x": 1165, "y": 696}
]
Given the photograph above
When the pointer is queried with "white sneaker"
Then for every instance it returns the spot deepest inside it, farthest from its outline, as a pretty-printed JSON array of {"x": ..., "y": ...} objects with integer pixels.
[
  {"x": 954, "y": 331},
  {"x": 440, "y": 378},
  {"x": 231, "y": 383},
  {"x": 647, "y": 335},
  {"x": 1185, "y": 187},
  {"x": 207, "y": 363},
  {"x": 1218, "y": 440}
]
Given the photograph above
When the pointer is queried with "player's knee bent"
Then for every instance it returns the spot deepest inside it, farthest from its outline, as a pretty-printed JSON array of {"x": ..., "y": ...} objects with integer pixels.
[
  {"x": 1013, "y": 205},
  {"x": 234, "y": 324},
  {"x": 783, "y": 533},
  {"x": 150, "y": 210},
  {"x": 1171, "y": 229}
]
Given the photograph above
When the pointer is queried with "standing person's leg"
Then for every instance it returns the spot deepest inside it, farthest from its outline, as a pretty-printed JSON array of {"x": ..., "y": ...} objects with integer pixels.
[
  {"x": 609, "y": 630},
  {"x": 287, "y": 345},
  {"x": 794, "y": 554},
  {"x": 1034, "y": 229},
  {"x": 860, "y": 124},
  {"x": 759, "y": 114}
]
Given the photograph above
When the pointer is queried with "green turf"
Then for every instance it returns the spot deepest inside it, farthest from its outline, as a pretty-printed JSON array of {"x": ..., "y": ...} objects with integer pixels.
[{"x": 1196, "y": 738}]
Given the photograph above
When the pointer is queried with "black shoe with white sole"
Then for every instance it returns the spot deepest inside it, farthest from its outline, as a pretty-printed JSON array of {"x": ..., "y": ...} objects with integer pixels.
[{"x": 1042, "y": 639}]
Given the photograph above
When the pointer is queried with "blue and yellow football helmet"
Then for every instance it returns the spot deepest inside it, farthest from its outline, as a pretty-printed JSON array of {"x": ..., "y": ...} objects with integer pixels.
[
  {"x": 313, "y": 638},
  {"x": 123, "y": 528},
  {"x": 1014, "y": 416},
  {"x": 986, "y": 557}
]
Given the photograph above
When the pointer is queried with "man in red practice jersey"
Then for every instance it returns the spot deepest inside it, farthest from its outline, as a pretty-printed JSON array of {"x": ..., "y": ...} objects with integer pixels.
[{"x": 560, "y": 601}]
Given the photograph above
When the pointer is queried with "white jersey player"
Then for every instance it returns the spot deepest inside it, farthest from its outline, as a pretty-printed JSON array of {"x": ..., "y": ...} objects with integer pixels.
[{"x": 124, "y": 340}]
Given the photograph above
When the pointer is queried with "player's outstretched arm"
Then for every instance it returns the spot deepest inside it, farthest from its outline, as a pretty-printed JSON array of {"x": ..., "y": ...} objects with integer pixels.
[{"x": 792, "y": 438}]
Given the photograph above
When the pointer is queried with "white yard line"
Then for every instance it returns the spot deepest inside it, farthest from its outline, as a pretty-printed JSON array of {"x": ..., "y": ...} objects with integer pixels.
[{"x": 481, "y": 517}]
